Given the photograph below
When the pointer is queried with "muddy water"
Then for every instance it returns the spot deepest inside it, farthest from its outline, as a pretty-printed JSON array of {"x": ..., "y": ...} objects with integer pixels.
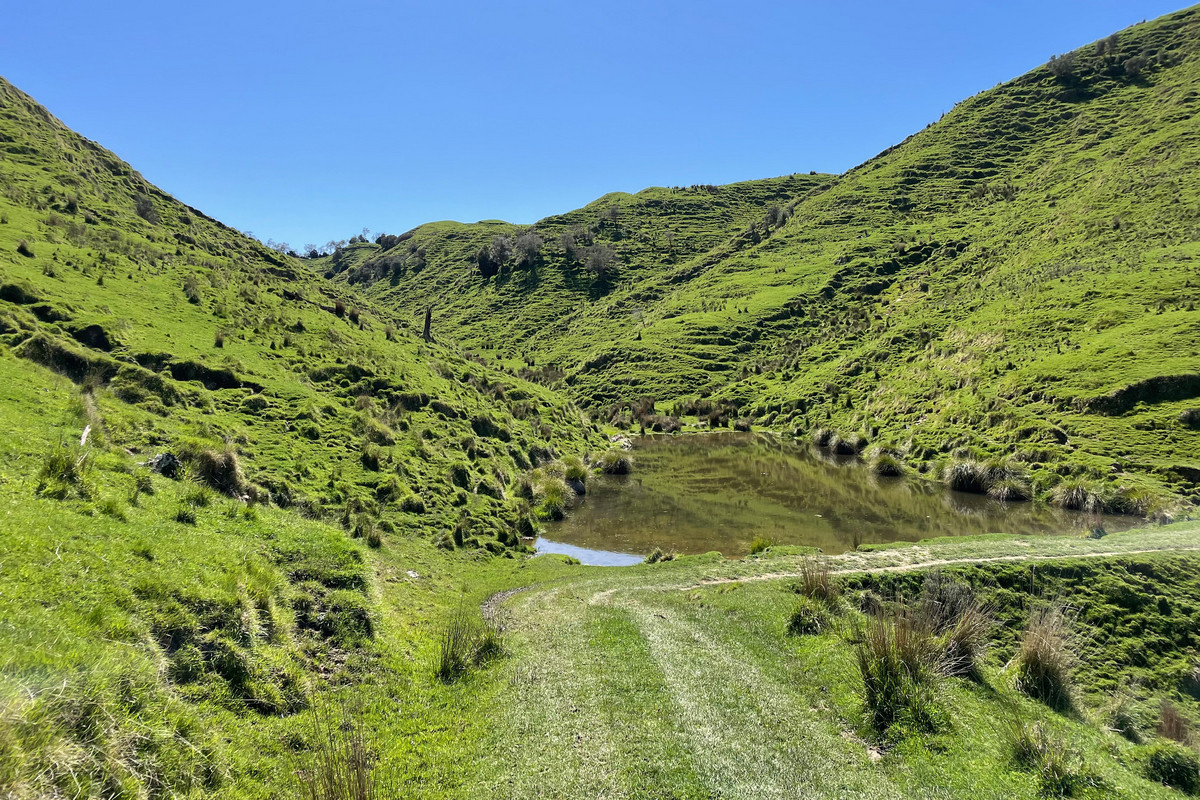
[{"x": 719, "y": 491}]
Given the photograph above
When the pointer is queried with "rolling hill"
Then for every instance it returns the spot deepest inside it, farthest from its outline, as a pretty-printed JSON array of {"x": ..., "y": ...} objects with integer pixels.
[{"x": 1017, "y": 281}]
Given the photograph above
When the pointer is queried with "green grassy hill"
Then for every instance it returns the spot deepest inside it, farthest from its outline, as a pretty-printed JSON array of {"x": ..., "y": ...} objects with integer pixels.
[
  {"x": 1016, "y": 281},
  {"x": 321, "y": 441},
  {"x": 1005, "y": 301}
]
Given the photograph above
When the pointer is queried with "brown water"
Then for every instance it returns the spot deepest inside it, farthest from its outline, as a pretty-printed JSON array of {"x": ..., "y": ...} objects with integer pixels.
[{"x": 705, "y": 492}]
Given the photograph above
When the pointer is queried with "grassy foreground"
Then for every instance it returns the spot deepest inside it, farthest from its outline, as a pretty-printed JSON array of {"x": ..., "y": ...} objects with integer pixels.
[{"x": 680, "y": 680}]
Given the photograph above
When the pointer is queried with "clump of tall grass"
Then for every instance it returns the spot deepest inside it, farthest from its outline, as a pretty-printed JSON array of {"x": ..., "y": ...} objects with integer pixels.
[
  {"x": 464, "y": 642},
  {"x": 809, "y": 618},
  {"x": 1059, "y": 769},
  {"x": 962, "y": 626},
  {"x": 343, "y": 763},
  {"x": 886, "y": 464},
  {"x": 1122, "y": 717},
  {"x": 658, "y": 555},
  {"x": 615, "y": 462},
  {"x": 897, "y": 659},
  {"x": 574, "y": 469},
  {"x": 817, "y": 582},
  {"x": 1172, "y": 765},
  {"x": 1172, "y": 724},
  {"x": 1045, "y": 660},
  {"x": 966, "y": 476},
  {"x": 1078, "y": 494},
  {"x": 760, "y": 544},
  {"x": 1009, "y": 490},
  {"x": 66, "y": 471}
]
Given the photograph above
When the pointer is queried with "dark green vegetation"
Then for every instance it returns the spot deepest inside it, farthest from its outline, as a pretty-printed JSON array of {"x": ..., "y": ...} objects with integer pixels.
[
  {"x": 1013, "y": 287},
  {"x": 1003, "y": 301}
]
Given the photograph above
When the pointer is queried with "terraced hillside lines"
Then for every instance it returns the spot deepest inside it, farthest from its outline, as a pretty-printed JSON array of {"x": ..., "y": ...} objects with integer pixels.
[{"x": 1018, "y": 279}]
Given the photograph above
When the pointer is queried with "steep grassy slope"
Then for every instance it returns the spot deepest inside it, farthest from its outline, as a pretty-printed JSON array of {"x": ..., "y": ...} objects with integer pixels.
[
  {"x": 1016, "y": 280},
  {"x": 150, "y": 620}
]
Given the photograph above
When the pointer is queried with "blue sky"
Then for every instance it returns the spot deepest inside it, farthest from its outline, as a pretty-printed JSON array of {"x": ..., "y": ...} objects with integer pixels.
[{"x": 307, "y": 121}]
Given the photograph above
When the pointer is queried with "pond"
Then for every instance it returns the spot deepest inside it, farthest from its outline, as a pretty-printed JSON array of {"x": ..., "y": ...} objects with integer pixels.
[{"x": 702, "y": 492}]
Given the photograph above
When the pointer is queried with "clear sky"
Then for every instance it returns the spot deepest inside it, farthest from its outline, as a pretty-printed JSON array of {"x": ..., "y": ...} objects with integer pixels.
[{"x": 307, "y": 121}]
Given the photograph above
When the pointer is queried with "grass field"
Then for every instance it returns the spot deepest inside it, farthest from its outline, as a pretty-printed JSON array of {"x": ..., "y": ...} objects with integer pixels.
[{"x": 1003, "y": 303}]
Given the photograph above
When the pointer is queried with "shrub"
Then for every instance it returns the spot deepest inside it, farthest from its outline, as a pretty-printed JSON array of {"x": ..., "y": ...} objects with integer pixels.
[
  {"x": 1190, "y": 418},
  {"x": 809, "y": 618},
  {"x": 24, "y": 249},
  {"x": 616, "y": 462},
  {"x": 760, "y": 544},
  {"x": 1173, "y": 765},
  {"x": 1045, "y": 660}
]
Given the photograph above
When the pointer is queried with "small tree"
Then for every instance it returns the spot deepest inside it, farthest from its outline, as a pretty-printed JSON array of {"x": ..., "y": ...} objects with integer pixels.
[
  {"x": 145, "y": 209},
  {"x": 529, "y": 248},
  {"x": 1062, "y": 67},
  {"x": 501, "y": 249},
  {"x": 601, "y": 259}
]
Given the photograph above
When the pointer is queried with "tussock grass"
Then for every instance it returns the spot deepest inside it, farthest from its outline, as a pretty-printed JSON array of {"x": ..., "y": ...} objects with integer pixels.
[
  {"x": 66, "y": 471},
  {"x": 817, "y": 582},
  {"x": 1045, "y": 660},
  {"x": 343, "y": 762},
  {"x": 658, "y": 555},
  {"x": 1079, "y": 494},
  {"x": 761, "y": 543},
  {"x": 465, "y": 642},
  {"x": 950, "y": 610},
  {"x": 809, "y": 618},
  {"x": 1172, "y": 724},
  {"x": 1171, "y": 764},
  {"x": 1059, "y": 769},
  {"x": 897, "y": 659},
  {"x": 887, "y": 465},
  {"x": 615, "y": 462}
]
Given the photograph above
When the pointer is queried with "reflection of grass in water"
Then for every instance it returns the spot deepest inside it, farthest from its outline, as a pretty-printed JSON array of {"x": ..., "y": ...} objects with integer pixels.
[{"x": 701, "y": 493}]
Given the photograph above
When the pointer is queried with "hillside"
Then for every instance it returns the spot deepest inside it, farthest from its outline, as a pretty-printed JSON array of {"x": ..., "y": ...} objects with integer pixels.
[
  {"x": 323, "y": 442},
  {"x": 1016, "y": 281}
]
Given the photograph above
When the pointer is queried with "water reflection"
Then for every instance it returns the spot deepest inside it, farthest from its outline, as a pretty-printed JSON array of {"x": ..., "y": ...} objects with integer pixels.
[{"x": 708, "y": 492}]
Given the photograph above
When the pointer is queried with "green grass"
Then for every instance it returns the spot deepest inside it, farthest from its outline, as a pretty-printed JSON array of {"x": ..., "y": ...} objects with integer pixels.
[
  {"x": 1016, "y": 278},
  {"x": 1012, "y": 296}
]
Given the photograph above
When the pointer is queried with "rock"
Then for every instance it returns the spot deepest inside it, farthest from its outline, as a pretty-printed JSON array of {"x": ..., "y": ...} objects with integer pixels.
[
  {"x": 577, "y": 485},
  {"x": 165, "y": 464}
]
